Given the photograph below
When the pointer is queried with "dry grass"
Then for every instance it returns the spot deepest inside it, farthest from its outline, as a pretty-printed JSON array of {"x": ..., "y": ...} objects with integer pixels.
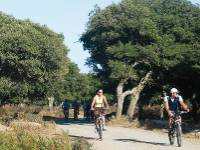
[{"x": 124, "y": 121}]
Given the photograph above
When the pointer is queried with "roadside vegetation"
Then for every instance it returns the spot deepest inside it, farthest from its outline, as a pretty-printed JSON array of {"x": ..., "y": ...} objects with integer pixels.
[{"x": 23, "y": 128}]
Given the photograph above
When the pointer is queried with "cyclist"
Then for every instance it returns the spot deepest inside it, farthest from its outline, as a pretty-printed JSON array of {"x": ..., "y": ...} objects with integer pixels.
[
  {"x": 99, "y": 102},
  {"x": 76, "y": 107},
  {"x": 174, "y": 103},
  {"x": 66, "y": 107},
  {"x": 86, "y": 109}
]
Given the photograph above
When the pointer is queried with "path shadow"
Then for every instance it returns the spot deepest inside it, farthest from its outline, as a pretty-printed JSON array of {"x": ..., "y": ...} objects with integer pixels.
[
  {"x": 50, "y": 118},
  {"x": 70, "y": 121},
  {"x": 87, "y": 138},
  {"x": 142, "y": 141}
]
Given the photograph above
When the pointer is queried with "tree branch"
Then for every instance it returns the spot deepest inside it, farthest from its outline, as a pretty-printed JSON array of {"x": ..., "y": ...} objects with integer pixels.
[{"x": 141, "y": 85}]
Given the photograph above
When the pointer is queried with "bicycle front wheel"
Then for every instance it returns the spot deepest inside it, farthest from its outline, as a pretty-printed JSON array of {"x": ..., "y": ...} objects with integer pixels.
[
  {"x": 171, "y": 136},
  {"x": 100, "y": 129},
  {"x": 178, "y": 135}
]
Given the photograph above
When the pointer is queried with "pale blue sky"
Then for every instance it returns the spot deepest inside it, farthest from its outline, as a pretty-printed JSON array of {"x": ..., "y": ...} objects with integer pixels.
[{"x": 65, "y": 16}]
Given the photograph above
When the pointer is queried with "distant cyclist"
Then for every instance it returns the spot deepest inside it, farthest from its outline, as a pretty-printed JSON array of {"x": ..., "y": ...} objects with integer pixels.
[
  {"x": 76, "y": 107},
  {"x": 66, "y": 107},
  {"x": 86, "y": 109},
  {"x": 174, "y": 102},
  {"x": 99, "y": 102}
]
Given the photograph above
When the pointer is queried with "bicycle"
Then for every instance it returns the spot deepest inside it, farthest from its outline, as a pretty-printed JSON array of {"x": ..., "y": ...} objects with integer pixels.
[
  {"x": 176, "y": 128},
  {"x": 100, "y": 122}
]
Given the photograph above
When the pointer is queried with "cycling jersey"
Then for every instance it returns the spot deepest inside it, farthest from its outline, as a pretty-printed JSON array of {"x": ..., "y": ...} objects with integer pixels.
[
  {"x": 99, "y": 101},
  {"x": 174, "y": 103}
]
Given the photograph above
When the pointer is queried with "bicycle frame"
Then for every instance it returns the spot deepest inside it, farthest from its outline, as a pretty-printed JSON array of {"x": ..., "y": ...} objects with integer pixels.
[{"x": 177, "y": 119}]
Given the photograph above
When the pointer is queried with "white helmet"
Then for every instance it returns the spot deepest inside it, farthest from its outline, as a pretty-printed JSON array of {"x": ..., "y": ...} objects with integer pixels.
[{"x": 174, "y": 90}]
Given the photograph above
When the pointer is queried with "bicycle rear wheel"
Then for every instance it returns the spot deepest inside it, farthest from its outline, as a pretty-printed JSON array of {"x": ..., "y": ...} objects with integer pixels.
[{"x": 178, "y": 135}]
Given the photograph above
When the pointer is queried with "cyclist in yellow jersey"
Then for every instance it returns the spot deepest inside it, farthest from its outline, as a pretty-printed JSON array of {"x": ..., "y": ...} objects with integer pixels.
[{"x": 99, "y": 101}]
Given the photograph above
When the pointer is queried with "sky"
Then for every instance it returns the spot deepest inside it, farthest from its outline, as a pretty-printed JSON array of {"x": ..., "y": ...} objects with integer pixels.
[{"x": 63, "y": 16}]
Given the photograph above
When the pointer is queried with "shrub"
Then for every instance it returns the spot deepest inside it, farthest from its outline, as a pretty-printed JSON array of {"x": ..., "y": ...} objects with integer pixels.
[
  {"x": 22, "y": 140},
  {"x": 81, "y": 144},
  {"x": 8, "y": 113},
  {"x": 153, "y": 112}
]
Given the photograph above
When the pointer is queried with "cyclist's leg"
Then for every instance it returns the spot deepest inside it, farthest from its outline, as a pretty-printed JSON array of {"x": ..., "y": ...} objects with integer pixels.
[
  {"x": 96, "y": 113},
  {"x": 85, "y": 114},
  {"x": 170, "y": 122},
  {"x": 75, "y": 114},
  {"x": 171, "y": 131},
  {"x": 67, "y": 113},
  {"x": 64, "y": 112},
  {"x": 104, "y": 120}
]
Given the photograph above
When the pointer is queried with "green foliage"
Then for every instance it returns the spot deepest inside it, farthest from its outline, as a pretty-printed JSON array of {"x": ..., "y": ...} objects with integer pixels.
[
  {"x": 160, "y": 35},
  {"x": 22, "y": 140},
  {"x": 81, "y": 144},
  {"x": 32, "y": 60},
  {"x": 121, "y": 71},
  {"x": 79, "y": 86}
]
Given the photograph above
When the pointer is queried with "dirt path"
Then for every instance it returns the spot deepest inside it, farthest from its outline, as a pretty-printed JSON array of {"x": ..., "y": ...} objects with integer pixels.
[{"x": 118, "y": 138}]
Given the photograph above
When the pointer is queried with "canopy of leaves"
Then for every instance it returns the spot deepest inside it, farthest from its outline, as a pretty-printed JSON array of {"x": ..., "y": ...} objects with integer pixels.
[
  {"x": 79, "y": 86},
  {"x": 32, "y": 59},
  {"x": 160, "y": 35}
]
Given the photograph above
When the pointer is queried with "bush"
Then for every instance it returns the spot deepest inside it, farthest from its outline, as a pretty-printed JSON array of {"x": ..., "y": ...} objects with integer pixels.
[
  {"x": 153, "y": 112},
  {"x": 9, "y": 113},
  {"x": 22, "y": 140},
  {"x": 30, "y": 117},
  {"x": 81, "y": 144}
]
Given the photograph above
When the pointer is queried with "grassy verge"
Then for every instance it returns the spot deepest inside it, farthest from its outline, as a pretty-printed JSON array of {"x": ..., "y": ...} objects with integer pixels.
[
  {"x": 24, "y": 140},
  {"x": 24, "y": 128}
]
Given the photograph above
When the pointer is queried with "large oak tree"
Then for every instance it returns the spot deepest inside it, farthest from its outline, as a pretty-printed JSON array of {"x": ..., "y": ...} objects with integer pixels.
[{"x": 136, "y": 40}]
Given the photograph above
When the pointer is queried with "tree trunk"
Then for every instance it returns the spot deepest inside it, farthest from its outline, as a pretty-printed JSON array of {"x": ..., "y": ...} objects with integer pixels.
[
  {"x": 136, "y": 91},
  {"x": 132, "y": 106},
  {"x": 51, "y": 101},
  {"x": 120, "y": 99},
  {"x": 120, "y": 107}
]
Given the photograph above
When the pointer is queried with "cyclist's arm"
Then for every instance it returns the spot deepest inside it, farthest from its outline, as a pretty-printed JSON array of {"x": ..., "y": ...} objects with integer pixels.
[
  {"x": 167, "y": 107},
  {"x": 184, "y": 106}
]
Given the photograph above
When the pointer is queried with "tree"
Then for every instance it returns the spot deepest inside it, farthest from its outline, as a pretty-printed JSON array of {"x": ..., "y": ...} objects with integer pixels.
[
  {"x": 136, "y": 40},
  {"x": 32, "y": 60},
  {"x": 79, "y": 86}
]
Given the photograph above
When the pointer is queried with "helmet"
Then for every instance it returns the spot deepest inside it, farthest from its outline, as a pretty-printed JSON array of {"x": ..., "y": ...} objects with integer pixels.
[{"x": 174, "y": 90}]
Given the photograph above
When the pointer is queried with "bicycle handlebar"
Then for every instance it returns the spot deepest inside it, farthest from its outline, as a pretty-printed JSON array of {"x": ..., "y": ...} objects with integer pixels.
[
  {"x": 179, "y": 112},
  {"x": 99, "y": 109}
]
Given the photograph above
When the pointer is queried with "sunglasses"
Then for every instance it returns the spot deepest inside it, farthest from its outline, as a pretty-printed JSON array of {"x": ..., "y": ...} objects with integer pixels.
[{"x": 100, "y": 92}]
